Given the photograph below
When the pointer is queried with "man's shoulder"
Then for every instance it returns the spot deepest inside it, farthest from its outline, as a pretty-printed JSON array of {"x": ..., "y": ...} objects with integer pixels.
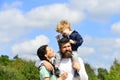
[
  {"x": 80, "y": 59},
  {"x": 57, "y": 54},
  {"x": 37, "y": 63}
]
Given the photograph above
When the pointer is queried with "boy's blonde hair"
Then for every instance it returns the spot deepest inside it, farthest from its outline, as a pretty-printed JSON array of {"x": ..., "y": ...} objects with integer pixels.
[{"x": 62, "y": 25}]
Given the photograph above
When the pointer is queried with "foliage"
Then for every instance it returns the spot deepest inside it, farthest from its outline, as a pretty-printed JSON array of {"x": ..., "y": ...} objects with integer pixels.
[
  {"x": 90, "y": 72},
  {"x": 115, "y": 71},
  {"x": 102, "y": 74},
  {"x": 19, "y": 69}
]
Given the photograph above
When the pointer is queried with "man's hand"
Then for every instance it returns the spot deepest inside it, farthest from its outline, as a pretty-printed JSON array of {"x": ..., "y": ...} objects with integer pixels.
[
  {"x": 76, "y": 65},
  {"x": 48, "y": 65},
  {"x": 63, "y": 76}
]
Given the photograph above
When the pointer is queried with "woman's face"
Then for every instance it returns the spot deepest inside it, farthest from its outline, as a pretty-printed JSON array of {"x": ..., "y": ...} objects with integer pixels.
[{"x": 50, "y": 52}]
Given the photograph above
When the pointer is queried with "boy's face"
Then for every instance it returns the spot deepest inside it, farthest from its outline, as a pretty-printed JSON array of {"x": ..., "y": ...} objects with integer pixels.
[{"x": 65, "y": 32}]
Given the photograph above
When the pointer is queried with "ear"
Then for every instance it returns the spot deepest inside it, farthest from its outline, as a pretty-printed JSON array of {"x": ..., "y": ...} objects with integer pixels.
[{"x": 46, "y": 55}]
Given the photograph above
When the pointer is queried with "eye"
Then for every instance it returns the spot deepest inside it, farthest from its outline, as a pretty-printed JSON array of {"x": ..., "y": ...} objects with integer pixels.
[
  {"x": 64, "y": 46},
  {"x": 68, "y": 46}
]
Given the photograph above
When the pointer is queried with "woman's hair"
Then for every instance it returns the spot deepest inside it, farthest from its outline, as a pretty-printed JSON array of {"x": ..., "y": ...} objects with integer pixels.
[
  {"x": 41, "y": 52},
  {"x": 62, "y": 25}
]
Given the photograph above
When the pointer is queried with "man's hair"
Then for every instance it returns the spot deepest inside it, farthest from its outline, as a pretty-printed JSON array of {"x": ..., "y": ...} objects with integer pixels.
[
  {"x": 41, "y": 52},
  {"x": 62, "y": 25},
  {"x": 63, "y": 40}
]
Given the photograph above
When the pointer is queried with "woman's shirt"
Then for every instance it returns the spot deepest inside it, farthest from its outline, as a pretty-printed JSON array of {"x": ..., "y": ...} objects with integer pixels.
[{"x": 45, "y": 73}]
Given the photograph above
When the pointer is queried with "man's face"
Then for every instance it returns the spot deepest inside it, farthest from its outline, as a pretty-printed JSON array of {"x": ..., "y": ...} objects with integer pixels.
[{"x": 66, "y": 50}]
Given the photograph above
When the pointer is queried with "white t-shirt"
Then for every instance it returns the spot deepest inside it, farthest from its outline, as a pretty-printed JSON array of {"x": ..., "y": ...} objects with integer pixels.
[{"x": 66, "y": 66}]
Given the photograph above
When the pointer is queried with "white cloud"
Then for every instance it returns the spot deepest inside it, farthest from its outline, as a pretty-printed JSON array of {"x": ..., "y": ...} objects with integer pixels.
[
  {"x": 27, "y": 49},
  {"x": 101, "y": 65},
  {"x": 91, "y": 41},
  {"x": 85, "y": 51},
  {"x": 116, "y": 55},
  {"x": 13, "y": 20},
  {"x": 98, "y": 9},
  {"x": 117, "y": 45},
  {"x": 38, "y": 17},
  {"x": 12, "y": 5},
  {"x": 116, "y": 28},
  {"x": 12, "y": 24},
  {"x": 104, "y": 49},
  {"x": 46, "y": 15},
  {"x": 101, "y": 45}
]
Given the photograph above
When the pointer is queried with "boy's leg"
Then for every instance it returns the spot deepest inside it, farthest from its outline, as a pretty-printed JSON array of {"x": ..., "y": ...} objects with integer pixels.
[
  {"x": 57, "y": 60},
  {"x": 57, "y": 63},
  {"x": 75, "y": 56},
  {"x": 75, "y": 62}
]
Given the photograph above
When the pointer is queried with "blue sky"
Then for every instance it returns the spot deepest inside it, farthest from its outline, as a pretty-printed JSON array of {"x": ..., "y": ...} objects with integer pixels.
[{"x": 27, "y": 24}]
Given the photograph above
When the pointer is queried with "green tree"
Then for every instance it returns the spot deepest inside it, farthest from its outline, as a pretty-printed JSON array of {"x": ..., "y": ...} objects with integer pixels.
[
  {"x": 15, "y": 57},
  {"x": 30, "y": 71},
  {"x": 102, "y": 74},
  {"x": 10, "y": 74},
  {"x": 90, "y": 72},
  {"x": 17, "y": 69},
  {"x": 115, "y": 71},
  {"x": 4, "y": 60}
]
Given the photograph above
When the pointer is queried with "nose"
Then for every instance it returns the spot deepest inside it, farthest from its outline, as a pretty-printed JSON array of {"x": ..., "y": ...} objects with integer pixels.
[
  {"x": 67, "y": 48},
  {"x": 63, "y": 33}
]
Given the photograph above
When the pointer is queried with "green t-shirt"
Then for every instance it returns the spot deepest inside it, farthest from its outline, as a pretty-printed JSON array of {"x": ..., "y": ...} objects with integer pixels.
[{"x": 45, "y": 73}]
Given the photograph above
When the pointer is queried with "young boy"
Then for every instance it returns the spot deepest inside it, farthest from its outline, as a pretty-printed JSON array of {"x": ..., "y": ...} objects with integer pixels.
[
  {"x": 65, "y": 30},
  {"x": 75, "y": 38}
]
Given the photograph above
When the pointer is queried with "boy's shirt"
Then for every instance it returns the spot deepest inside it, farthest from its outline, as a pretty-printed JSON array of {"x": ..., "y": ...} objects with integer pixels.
[{"x": 75, "y": 36}]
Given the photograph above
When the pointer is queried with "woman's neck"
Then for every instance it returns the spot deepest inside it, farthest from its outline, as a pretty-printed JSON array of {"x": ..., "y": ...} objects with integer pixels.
[{"x": 49, "y": 59}]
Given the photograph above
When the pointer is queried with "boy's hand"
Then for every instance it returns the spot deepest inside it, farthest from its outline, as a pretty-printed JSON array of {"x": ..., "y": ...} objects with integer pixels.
[
  {"x": 72, "y": 41},
  {"x": 48, "y": 65},
  {"x": 58, "y": 37}
]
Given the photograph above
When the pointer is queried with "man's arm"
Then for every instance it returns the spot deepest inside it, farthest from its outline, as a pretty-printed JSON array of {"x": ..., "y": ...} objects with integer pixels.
[
  {"x": 82, "y": 72},
  {"x": 45, "y": 63}
]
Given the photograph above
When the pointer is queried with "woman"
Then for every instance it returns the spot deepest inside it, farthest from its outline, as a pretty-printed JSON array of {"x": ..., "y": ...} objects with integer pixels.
[{"x": 46, "y": 53}]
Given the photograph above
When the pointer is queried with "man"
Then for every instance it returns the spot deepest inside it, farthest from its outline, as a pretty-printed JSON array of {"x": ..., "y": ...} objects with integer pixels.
[{"x": 66, "y": 62}]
